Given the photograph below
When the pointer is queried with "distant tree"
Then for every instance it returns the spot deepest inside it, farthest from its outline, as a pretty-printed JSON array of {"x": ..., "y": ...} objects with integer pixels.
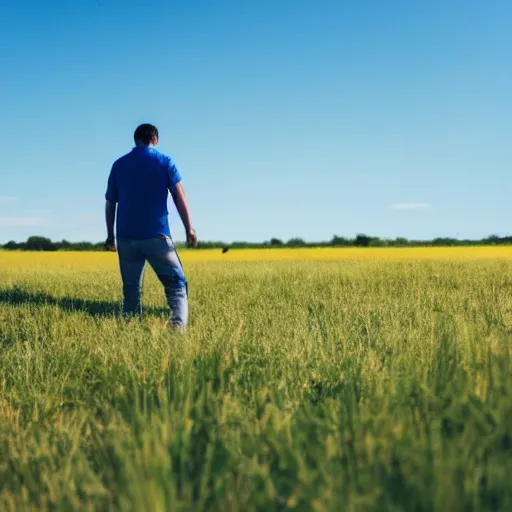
[
  {"x": 239, "y": 245},
  {"x": 203, "y": 244},
  {"x": 362, "y": 240},
  {"x": 340, "y": 241},
  {"x": 39, "y": 243},
  {"x": 445, "y": 242},
  {"x": 492, "y": 240},
  {"x": 377, "y": 242},
  {"x": 64, "y": 244},
  {"x": 12, "y": 245},
  {"x": 82, "y": 246},
  {"x": 401, "y": 241},
  {"x": 276, "y": 241},
  {"x": 296, "y": 242}
]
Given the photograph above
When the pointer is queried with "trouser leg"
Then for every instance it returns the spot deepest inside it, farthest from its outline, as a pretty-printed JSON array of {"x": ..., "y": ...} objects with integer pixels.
[
  {"x": 131, "y": 263},
  {"x": 161, "y": 255}
]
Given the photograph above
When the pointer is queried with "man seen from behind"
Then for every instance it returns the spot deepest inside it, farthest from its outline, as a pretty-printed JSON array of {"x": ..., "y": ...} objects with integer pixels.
[{"x": 137, "y": 193}]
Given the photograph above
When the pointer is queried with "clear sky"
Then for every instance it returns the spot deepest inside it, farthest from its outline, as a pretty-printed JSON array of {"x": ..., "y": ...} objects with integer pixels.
[{"x": 286, "y": 118}]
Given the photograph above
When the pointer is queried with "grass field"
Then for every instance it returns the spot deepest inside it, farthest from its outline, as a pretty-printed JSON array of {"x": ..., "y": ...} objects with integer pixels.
[{"x": 318, "y": 379}]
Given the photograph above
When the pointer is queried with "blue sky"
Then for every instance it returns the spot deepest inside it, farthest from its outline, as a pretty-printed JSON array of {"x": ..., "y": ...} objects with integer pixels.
[{"x": 285, "y": 118}]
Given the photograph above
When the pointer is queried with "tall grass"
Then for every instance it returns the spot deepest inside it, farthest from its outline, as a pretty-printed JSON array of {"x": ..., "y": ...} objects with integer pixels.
[{"x": 353, "y": 385}]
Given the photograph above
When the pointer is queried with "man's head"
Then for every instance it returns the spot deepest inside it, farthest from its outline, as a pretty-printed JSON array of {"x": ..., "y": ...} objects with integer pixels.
[{"x": 146, "y": 135}]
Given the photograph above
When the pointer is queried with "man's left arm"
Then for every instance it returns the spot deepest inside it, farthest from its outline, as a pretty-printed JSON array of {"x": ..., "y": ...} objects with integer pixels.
[{"x": 178, "y": 195}]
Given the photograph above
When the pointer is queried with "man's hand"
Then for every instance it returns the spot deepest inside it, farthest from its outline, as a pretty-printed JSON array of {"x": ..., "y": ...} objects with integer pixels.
[
  {"x": 191, "y": 238},
  {"x": 110, "y": 245}
]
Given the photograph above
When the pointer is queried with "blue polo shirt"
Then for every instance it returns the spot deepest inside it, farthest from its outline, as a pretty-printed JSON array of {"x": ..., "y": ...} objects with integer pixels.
[{"x": 140, "y": 182}]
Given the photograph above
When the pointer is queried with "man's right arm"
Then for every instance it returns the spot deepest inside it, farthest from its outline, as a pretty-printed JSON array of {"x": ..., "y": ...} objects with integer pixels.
[
  {"x": 180, "y": 200},
  {"x": 110, "y": 217},
  {"x": 110, "y": 210}
]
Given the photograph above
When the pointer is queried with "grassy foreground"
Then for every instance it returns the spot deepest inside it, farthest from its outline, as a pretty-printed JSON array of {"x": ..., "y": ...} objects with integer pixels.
[{"x": 379, "y": 382}]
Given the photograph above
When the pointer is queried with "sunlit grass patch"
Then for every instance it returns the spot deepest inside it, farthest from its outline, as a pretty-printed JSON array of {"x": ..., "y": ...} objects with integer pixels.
[{"x": 315, "y": 379}]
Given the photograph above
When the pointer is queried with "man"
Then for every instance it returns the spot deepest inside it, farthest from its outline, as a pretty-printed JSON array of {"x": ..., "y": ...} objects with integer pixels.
[{"x": 138, "y": 188}]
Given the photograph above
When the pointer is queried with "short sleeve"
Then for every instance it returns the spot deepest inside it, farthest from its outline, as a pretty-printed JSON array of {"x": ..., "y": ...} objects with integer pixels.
[
  {"x": 173, "y": 175},
  {"x": 111, "y": 194}
]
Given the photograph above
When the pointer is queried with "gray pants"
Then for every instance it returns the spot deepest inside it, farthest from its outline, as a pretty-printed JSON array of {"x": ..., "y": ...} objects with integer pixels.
[{"x": 161, "y": 254}]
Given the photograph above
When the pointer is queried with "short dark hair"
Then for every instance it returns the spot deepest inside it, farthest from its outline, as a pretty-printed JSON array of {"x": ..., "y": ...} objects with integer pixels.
[{"x": 145, "y": 133}]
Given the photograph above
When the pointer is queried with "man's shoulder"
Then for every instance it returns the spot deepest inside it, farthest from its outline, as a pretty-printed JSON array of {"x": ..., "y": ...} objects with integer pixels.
[
  {"x": 122, "y": 160},
  {"x": 151, "y": 154},
  {"x": 158, "y": 155}
]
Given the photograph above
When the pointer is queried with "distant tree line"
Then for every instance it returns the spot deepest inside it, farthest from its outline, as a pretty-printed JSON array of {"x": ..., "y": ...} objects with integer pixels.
[{"x": 40, "y": 243}]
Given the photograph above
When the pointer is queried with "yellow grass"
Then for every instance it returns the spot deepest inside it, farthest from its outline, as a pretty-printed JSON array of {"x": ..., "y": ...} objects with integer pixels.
[{"x": 100, "y": 260}]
